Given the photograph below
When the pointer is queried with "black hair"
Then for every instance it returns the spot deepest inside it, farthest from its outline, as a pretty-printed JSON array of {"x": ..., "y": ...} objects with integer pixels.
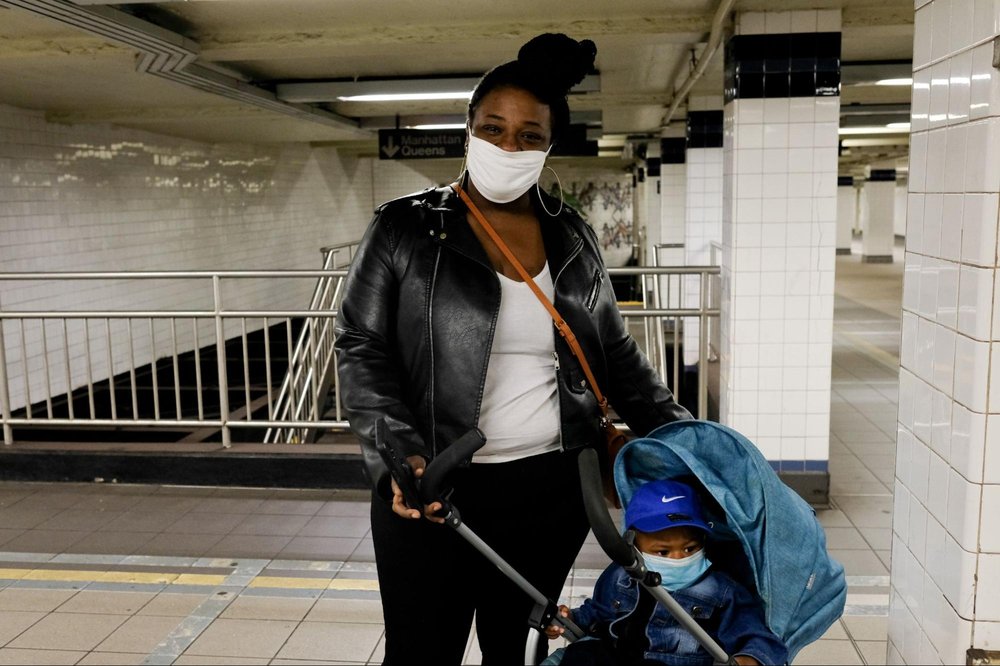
[{"x": 547, "y": 67}]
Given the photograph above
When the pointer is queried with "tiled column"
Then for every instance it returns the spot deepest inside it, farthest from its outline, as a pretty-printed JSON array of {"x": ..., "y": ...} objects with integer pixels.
[
  {"x": 652, "y": 201},
  {"x": 704, "y": 201},
  {"x": 878, "y": 235},
  {"x": 945, "y": 574},
  {"x": 899, "y": 216},
  {"x": 778, "y": 237},
  {"x": 673, "y": 197},
  {"x": 673, "y": 189},
  {"x": 847, "y": 213}
]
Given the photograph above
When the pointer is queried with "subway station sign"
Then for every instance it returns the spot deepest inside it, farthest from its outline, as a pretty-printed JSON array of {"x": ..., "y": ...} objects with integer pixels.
[{"x": 420, "y": 144}]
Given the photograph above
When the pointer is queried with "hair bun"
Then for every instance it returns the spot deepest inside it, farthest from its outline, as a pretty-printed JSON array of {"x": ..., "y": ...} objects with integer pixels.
[{"x": 559, "y": 59}]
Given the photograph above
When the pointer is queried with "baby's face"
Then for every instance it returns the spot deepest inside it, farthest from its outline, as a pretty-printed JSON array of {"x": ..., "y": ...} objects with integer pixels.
[{"x": 672, "y": 542}]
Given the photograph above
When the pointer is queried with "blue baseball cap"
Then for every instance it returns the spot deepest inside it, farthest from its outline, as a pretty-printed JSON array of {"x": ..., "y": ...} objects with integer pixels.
[{"x": 658, "y": 505}]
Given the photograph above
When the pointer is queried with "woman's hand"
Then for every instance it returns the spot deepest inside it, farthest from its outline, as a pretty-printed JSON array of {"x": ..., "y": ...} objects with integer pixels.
[
  {"x": 554, "y": 630},
  {"x": 399, "y": 506}
]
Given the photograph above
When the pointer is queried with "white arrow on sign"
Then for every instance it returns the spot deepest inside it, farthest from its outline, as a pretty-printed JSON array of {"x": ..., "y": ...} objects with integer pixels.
[{"x": 390, "y": 149}]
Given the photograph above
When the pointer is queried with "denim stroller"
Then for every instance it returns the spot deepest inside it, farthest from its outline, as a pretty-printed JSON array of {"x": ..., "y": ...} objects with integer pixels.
[
  {"x": 764, "y": 534},
  {"x": 783, "y": 555}
]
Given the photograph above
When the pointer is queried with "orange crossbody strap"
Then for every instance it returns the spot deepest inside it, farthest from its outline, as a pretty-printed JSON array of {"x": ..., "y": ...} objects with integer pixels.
[{"x": 560, "y": 323}]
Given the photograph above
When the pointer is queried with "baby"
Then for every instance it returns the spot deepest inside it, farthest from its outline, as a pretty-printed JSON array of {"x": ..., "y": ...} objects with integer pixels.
[{"x": 631, "y": 628}]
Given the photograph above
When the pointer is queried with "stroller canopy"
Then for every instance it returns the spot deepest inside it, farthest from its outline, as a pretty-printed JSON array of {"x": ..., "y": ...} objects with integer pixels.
[{"x": 802, "y": 588}]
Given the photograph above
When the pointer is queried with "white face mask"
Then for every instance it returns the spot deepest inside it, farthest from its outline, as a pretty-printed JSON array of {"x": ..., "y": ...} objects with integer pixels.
[{"x": 500, "y": 175}]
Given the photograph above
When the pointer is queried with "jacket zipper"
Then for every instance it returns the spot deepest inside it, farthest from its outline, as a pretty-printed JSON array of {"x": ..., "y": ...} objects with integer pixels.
[
  {"x": 430, "y": 337},
  {"x": 574, "y": 253},
  {"x": 493, "y": 322},
  {"x": 562, "y": 446},
  {"x": 577, "y": 248}
]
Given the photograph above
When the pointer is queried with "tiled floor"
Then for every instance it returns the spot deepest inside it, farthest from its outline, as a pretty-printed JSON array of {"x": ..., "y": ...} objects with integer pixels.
[{"x": 109, "y": 574}]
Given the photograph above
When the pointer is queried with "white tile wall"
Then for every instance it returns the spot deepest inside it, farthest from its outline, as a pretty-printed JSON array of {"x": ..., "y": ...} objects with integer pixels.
[
  {"x": 847, "y": 215},
  {"x": 878, "y": 233},
  {"x": 779, "y": 232},
  {"x": 94, "y": 198},
  {"x": 702, "y": 227},
  {"x": 673, "y": 214},
  {"x": 756, "y": 23},
  {"x": 952, "y": 228}
]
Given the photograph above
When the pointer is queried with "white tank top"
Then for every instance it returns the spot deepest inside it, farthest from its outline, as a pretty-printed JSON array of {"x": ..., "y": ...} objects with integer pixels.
[{"x": 520, "y": 410}]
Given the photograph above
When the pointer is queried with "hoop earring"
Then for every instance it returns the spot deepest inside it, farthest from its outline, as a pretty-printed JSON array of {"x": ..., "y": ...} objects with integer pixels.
[{"x": 562, "y": 198}]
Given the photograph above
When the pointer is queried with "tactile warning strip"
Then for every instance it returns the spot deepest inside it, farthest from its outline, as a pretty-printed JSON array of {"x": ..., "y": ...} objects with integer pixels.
[{"x": 223, "y": 580}]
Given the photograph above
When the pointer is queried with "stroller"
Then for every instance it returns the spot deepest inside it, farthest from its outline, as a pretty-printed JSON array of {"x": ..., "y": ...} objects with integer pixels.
[
  {"x": 764, "y": 535},
  {"x": 782, "y": 554}
]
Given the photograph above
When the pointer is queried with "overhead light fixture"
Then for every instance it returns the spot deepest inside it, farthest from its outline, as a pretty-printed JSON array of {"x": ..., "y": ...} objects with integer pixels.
[
  {"x": 891, "y": 128},
  {"x": 395, "y": 90},
  {"x": 895, "y": 82},
  {"x": 405, "y": 97},
  {"x": 438, "y": 126}
]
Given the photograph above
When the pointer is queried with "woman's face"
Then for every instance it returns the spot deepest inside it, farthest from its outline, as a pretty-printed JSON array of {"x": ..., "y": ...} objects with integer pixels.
[{"x": 513, "y": 119}]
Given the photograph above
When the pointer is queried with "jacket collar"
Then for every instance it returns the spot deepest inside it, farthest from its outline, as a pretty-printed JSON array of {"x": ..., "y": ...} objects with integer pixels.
[{"x": 561, "y": 240}]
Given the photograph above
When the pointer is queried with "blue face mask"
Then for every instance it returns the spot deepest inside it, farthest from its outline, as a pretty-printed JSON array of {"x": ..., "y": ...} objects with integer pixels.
[{"x": 676, "y": 574}]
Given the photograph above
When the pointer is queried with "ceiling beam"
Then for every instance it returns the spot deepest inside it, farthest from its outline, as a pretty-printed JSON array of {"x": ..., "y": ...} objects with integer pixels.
[
  {"x": 52, "y": 47},
  {"x": 222, "y": 46},
  {"x": 587, "y": 102},
  {"x": 155, "y": 114},
  {"x": 873, "y": 16}
]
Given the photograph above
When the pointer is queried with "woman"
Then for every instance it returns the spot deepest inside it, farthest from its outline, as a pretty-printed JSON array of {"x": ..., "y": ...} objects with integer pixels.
[{"x": 438, "y": 334}]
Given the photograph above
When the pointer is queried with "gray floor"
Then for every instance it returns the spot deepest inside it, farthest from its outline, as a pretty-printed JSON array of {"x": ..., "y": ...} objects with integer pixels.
[{"x": 113, "y": 574}]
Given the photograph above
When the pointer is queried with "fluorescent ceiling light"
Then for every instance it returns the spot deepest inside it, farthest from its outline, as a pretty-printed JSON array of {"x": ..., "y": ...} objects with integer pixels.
[
  {"x": 394, "y": 90},
  {"x": 893, "y": 128},
  {"x": 894, "y": 82},
  {"x": 438, "y": 126},
  {"x": 405, "y": 97}
]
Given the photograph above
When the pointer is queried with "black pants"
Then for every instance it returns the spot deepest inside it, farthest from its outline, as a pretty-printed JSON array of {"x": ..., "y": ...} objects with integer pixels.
[{"x": 530, "y": 511}]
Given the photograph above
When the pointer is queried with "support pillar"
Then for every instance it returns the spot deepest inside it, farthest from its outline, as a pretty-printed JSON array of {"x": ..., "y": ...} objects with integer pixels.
[
  {"x": 778, "y": 238},
  {"x": 673, "y": 197},
  {"x": 945, "y": 576},
  {"x": 652, "y": 201},
  {"x": 847, "y": 210},
  {"x": 673, "y": 190},
  {"x": 899, "y": 213},
  {"x": 703, "y": 225},
  {"x": 878, "y": 235}
]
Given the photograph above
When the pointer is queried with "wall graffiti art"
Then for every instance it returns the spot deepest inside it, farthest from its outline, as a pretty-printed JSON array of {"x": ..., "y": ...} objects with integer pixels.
[{"x": 606, "y": 205}]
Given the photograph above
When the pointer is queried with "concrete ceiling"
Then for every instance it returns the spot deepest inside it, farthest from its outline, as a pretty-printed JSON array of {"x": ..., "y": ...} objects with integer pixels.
[{"x": 224, "y": 58}]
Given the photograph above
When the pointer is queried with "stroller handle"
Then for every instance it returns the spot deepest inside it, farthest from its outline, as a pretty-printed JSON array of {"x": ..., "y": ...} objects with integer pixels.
[
  {"x": 460, "y": 451},
  {"x": 619, "y": 550}
]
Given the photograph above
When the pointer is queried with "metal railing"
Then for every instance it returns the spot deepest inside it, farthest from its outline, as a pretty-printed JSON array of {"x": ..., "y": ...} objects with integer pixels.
[
  {"x": 665, "y": 292},
  {"x": 154, "y": 368},
  {"x": 715, "y": 299},
  {"x": 312, "y": 368},
  {"x": 93, "y": 354},
  {"x": 663, "y": 313}
]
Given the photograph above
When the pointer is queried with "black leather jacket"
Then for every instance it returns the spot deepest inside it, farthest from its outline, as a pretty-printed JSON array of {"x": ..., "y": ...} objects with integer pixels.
[{"x": 416, "y": 325}]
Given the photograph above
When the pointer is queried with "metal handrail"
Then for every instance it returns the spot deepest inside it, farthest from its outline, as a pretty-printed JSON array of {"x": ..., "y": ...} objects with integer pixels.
[
  {"x": 303, "y": 391},
  {"x": 82, "y": 360}
]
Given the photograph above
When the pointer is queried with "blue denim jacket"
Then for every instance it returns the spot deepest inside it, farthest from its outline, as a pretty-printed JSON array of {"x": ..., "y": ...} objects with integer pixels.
[{"x": 725, "y": 609}]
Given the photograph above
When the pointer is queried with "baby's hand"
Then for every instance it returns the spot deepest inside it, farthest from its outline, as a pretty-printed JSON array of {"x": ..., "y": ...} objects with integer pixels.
[{"x": 554, "y": 630}]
